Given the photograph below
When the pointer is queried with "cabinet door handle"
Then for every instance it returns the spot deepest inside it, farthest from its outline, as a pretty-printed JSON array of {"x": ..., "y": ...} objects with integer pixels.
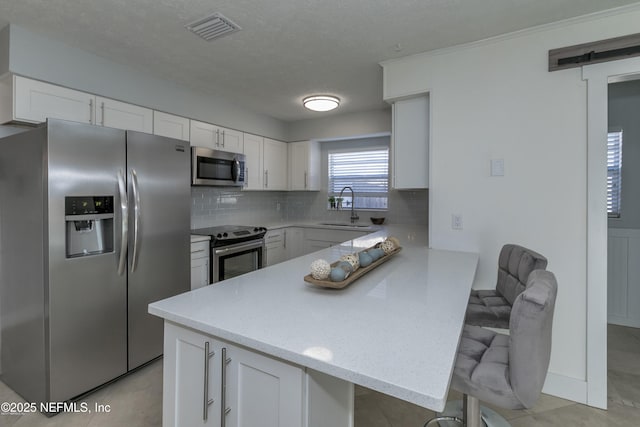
[
  {"x": 223, "y": 391},
  {"x": 246, "y": 177},
  {"x": 217, "y": 137},
  {"x": 223, "y": 138},
  {"x": 305, "y": 180},
  {"x": 102, "y": 109},
  {"x": 206, "y": 402},
  {"x": 266, "y": 179},
  {"x": 91, "y": 111}
]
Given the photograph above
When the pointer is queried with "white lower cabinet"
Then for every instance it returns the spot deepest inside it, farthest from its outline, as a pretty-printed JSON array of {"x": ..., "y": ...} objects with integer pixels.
[
  {"x": 275, "y": 246},
  {"x": 243, "y": 388},
  {"x": 262, "y": 391},
  {"x": 294, "y": 242},
  {"x": 318, "y": 238},
  {"x": 199, "y": 264}
]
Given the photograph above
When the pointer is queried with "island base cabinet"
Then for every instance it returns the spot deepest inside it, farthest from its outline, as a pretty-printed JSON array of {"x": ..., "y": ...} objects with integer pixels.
[
  {"x": 244, "y": 388},
  {"x": 262, "y": 391},
  {"x": 185, "y": 401}
]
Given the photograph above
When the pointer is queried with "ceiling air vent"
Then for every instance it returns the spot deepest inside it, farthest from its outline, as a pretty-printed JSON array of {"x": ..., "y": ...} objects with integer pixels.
[{"x": 213, "y": 27}]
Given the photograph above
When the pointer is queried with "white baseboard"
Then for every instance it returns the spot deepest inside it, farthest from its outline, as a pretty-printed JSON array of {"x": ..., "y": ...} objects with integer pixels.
[
  {"x": 565, "y": 387},
  {"x": 624, "y": 321}
]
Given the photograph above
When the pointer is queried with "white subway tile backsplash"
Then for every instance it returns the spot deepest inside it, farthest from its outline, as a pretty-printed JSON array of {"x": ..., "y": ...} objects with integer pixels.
[{"x": 213, "y": 206}]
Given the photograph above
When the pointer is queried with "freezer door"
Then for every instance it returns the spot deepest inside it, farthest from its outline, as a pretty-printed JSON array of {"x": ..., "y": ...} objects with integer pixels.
[
  {"x": 87, "y": 296},
  {"x": 158, "y": 173}
]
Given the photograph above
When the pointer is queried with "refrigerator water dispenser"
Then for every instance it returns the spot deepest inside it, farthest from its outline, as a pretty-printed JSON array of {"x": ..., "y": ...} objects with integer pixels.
[{"x": 89, "y": 225}]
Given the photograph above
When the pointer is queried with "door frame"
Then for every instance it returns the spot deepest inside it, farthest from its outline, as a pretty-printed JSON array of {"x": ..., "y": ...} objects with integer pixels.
[{"x": 598, "y": 77}]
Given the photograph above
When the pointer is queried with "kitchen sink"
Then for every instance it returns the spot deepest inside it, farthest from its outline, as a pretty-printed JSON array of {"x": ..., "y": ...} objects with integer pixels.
[{"x": 345, "y": 224}]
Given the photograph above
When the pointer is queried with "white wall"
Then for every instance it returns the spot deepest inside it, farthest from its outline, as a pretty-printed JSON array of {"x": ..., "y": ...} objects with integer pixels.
[
  {"x": 4, "y": 50},
  {"x": 32, "y": 55},
  {"x": 496, "y": 99},
  {"x": 341, "y": 126}
]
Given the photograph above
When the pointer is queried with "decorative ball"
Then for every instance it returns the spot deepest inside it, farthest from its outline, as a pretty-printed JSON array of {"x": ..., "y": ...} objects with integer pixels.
[
  {"x": 395, "y": 241},
  {"x": 375, "y": 253},
  {"x": 320, "y": 269},
  {"x": 365, "y": 259},
  {"x": 351, "y": 259},
  {"x": 346, "y": 266},
  {"x": 337, "y": 274},
  {"x": 387, "y": 246}
]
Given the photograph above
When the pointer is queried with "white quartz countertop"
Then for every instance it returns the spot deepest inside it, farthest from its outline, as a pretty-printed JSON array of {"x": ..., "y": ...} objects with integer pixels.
[
  {"x": 199, "y": 238},
  {"x": 395, "y": 330}
]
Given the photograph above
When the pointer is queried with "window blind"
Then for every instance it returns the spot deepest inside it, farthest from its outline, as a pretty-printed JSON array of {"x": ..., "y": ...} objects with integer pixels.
[
  {"x": 366, "y": 172},
  {"x": 614, "y": 173}
]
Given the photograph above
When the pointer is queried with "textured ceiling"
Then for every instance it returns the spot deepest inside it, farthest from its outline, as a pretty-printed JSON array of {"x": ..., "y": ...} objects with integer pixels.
[{"x": 287, "y": 48}]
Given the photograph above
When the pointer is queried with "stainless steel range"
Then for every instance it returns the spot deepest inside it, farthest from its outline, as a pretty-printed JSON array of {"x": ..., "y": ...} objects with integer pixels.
[{"x": 235, "y": 250}]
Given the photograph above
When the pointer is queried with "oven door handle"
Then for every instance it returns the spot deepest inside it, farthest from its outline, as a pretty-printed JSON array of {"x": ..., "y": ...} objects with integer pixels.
[{"x": 238, "y": 247}]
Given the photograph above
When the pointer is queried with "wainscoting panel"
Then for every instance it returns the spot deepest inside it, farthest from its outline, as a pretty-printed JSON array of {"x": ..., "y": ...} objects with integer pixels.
[{"x": 623, "y": 277}]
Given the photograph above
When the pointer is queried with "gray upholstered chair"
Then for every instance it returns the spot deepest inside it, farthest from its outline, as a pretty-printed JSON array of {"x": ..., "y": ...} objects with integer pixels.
[
  {"x": 491, "y": 308},
  {"x": 505, "y": 370}
]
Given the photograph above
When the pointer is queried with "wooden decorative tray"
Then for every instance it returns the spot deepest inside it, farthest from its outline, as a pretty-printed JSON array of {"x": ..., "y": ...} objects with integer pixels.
[{"x": 353, "y": 276}]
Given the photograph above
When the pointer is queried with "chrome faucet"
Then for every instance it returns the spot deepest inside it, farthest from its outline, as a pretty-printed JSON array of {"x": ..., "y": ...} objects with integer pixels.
[{"x": 354, "y": 215}]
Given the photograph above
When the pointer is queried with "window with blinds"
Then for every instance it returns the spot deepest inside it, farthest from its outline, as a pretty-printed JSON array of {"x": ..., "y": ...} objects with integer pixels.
[
  {"x": 366, "y": 172},
  {"x": 614, "y": 173}
]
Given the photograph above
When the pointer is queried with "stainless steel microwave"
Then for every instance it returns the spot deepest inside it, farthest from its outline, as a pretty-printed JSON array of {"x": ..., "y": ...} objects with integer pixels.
[{"x": 217, "y": 168}]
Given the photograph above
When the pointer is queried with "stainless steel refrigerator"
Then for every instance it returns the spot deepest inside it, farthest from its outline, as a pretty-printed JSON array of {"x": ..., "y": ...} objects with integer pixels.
[{"x": 94, "y": 225}]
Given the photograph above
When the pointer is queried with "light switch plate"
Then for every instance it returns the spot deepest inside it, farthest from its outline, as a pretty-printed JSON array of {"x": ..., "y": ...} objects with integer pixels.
[{"x": 497, "y": 167}]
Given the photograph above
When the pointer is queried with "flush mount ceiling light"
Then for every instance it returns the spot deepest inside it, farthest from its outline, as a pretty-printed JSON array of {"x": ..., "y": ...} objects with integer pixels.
[{"x": 321, "y": 102}]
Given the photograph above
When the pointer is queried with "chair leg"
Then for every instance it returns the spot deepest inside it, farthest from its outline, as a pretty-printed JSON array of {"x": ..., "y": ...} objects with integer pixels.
[
  {"x": 468, "y": 413},
  {"x": 471, "y": 411}
]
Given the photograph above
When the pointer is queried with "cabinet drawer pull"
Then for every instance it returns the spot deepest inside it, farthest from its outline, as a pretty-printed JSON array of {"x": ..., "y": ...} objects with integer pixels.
[
  {"x": 206, "y": 401},
  {"x": 223, "y": 394}
]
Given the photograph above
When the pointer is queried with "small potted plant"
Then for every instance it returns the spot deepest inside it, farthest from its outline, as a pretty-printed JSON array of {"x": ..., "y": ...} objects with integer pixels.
[
  {"x": 339, "y": 202},
  {"x": 332, "y": 202}
]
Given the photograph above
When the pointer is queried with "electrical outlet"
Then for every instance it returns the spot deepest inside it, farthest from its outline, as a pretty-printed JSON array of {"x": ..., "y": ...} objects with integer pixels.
[
  {"x": 278, "y": 206},
  {"x": 456, "y": 222}
]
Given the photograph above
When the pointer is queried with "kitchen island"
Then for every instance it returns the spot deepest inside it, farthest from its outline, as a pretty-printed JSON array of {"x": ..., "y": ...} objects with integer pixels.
[{"x": 271, "y": 346}]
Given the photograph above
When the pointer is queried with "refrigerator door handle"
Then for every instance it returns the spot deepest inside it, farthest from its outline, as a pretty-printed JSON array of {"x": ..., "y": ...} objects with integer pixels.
[
  {"x": 136, "y": 218},
  {"x": 124, "y": 212}
]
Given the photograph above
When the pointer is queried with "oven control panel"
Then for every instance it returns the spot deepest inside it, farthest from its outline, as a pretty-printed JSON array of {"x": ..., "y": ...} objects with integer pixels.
[{"x": 230, "y": 234}]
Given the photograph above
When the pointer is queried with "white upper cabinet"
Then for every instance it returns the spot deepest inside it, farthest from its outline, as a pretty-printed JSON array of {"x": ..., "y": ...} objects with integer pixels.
[
  {"x": 216, "y": 137},
  {"x": 231, "y": 140},
  {"x": 254, "y": 154},
  {"x": 32, "y": 101},
  {"x": 120, "y": 115},
  {"x": 204, "y": 135},
  {"x": 304, "y": 165},
  {"x": 171, "y": 126},
  {"x": 410, "y": 143},
  {"x": 275, "y": 165}
]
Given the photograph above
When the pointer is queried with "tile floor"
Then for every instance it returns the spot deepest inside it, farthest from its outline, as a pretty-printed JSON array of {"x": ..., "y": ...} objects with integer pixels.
[{"x": 136, "y": 400}]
